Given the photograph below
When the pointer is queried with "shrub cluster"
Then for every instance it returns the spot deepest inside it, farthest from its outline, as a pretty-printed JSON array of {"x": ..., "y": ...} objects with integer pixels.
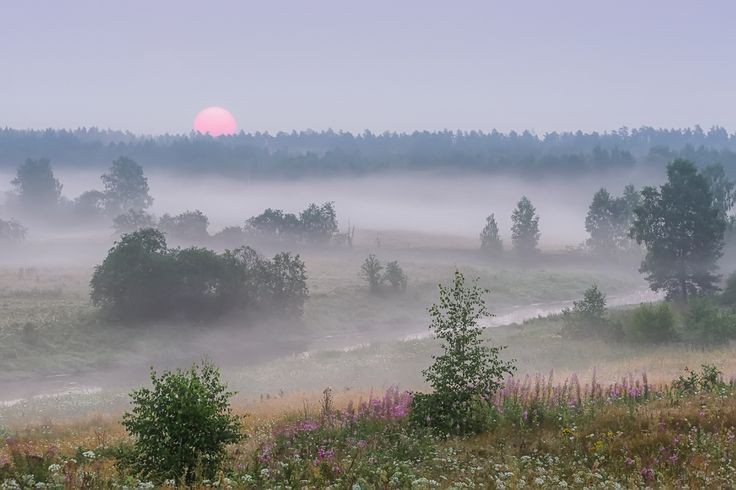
[
  {"x": 376, "y": 275},
  {"x": 141, "y": 278},
  {"x": 588, "y": 318}
]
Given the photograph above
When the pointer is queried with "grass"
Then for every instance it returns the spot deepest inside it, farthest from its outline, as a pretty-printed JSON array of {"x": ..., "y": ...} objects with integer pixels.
[
  {"x": 49, "y": 327},
  {"x": 544, "y": 434}
]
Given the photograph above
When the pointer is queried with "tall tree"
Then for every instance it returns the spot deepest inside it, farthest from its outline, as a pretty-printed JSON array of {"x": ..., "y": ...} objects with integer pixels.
[
  {"x": 604, "y": 222},
  {"x": 525, "y": 227},
  {"x": 683, "y": 232},
  {"x": 37, "y": 188},
  {"x": 721, "y": 188},
  {"x": 490, "y": 239},
  {"x": 126, "y": 187}
]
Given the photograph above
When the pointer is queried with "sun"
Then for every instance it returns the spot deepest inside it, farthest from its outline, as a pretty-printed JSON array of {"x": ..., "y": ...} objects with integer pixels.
[{"x": 215, "y": 121}]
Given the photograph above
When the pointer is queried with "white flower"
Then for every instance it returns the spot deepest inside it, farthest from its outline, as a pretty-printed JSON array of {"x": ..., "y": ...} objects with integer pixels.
[
  {"x": 89, "y": 454},
  {"x": 54, "y": 468}
]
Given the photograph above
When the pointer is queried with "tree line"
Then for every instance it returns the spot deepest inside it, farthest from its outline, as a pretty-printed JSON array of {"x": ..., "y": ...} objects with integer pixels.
[
  {"x": 125, "y": 197},
  {"x": 335, "y": 152}
]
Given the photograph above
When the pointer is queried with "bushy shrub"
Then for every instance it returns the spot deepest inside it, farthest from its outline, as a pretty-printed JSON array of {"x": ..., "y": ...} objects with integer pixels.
[
  {"x": 395, "y": 276},
  {"x": 705, "y": 324},
  {"x": 587, "y": 318},
  {"x": 708, "y": 379},
  {"x": 468, "y": 372},
  {"x": 375, "y": 274},
  {"x": 651, "y": 324},
  {"x": 181, "y": 425},
  {"x": 371, "y": 272},
  {"x": 141, "y": 278}
]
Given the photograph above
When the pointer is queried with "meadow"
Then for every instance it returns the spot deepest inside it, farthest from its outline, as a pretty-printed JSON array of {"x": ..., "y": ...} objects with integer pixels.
[{"x": 325, "y": 399}]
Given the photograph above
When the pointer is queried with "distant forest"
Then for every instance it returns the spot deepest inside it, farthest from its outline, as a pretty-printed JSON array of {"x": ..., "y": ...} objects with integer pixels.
[{"x": 306, "y": 153}]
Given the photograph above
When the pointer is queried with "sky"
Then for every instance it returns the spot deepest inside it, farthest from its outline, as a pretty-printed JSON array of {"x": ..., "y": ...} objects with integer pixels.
[{"x": 383, "y": 65}]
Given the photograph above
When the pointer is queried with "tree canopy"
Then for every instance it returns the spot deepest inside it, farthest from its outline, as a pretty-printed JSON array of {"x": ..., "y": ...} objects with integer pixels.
[{"x": 682, "y": 230}]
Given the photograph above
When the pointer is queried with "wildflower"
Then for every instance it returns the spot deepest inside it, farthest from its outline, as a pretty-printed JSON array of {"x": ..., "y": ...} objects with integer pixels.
[
  {"x": 647, "y": 474},
  {"x": 54, "y": 468},
  {"x": 89, "y": 454}
]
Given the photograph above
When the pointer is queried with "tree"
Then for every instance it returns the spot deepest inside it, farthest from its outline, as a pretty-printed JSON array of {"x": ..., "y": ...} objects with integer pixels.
[
  {"x": 181, "y": 425},
  {"x": 587, "y": 317},
  {"x": 604, "y": 222},
  {"x": 284, "y": 281},
  {"x": 371, "y": 272},
  {"x": 12, "y": 232},
  {"x": 721, "y": 188},
  {"x": 187, "y": 227},
  {"x": 490, "y": 239},
  {"x": 137, "y": 279},
  {"x": 682, "y": 231},
  {"x": 125, "y": 187},
  {"x": 395, "y": 275},
  {"x": 275, "y": 223},
  {"x": 468, "y": 372},
  {"x": 142, "y": 279},
  {"x": 318, "y": 223},
  {"x": 36, "y": 187},
  {"x": 525, "y": 227},
  {"x": 90, "y": 205},
  {"x": 133, "y": 220}
]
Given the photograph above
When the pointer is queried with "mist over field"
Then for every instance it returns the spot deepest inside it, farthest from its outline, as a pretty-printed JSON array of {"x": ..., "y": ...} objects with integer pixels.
[{"x": 367, "y": 245}]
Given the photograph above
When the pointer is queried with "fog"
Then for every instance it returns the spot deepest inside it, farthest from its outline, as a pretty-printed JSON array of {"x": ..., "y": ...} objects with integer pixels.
[
  {"x": 429, "y": 222},
  {"x": 422, "y": 203}
]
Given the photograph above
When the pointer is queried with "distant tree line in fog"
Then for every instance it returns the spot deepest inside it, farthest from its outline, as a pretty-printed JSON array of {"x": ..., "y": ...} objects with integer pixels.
[{"x": 304, "y": 153}]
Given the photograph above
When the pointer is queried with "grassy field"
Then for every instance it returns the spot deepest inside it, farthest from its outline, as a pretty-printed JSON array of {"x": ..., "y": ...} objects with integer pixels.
[
  {"x": 587, "y": 434},
  {"x": 48, "y": 326}
]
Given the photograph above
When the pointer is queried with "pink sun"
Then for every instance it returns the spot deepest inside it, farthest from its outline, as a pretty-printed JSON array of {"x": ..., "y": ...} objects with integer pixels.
[{"x": 215, "y": 121}]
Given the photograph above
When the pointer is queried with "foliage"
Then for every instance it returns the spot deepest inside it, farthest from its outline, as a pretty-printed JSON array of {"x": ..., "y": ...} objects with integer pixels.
[
  {"x": 395, "y": 276},
  {"x": 12, "y": 232},
  {"x": 137, "y": 277},
  {"x": 125, "y": 187},
  {"x": 371, "y": 272},
  {"x": 682, "y": 231},
  {"x": 467, "y": 374},
  {"x": 721, "y": 188},
  {"x": 318, "y": 224},
  {"x": 181, "y": 425},
  {"x": 314, "y": 225},
  {"x": 624, "y": 434},
  {"x": 294, "y": 154},
  {"x": 133, "y": 220},
  {"x": 525, "y": 227},
  {"x": 37, "y": 190},
  {"x": 728, "y": 297},
  {"x": 609, "y": 220},
  {"x": 141, "y": 278},
  {"x": 651, "y": 324},
  {"x": 490, "y": 239},
  {"x": 587, "y": 317},
  {"x": 187, "y": 227},
  {"x": 90, "y": 205},
  {"x": 708, "y": 379},
  {"x": 705, "y": 324}
]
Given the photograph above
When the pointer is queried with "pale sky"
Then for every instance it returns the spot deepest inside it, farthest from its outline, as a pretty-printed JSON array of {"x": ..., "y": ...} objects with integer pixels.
[{"x": 149, "y": 66}]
